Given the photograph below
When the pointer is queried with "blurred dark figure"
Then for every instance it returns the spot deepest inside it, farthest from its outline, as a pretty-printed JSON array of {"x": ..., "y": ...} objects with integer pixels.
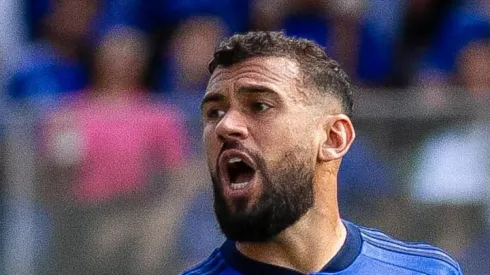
[
  {"x": 183, "y": 79},
  {"x": 462, "y": 23},
  {"x": 473, "y": 69},
  {"x": 366, "y": 186},
  {"x": 170, "y": 14},
  {"x": 359, "y": 34},
  {"x": 3, "y": 216},
  {"x": 56, "y": 63},
  {"x": 422, "y": 22},
  {"x": 474, "y": 259},
  {"x": 452, "y": 168},
  {"x": 184, "y": 82},
  {"x": 473, "y": 74},
  {"x": 333, "y": 24},
  {"x": 116, "y": 160}
]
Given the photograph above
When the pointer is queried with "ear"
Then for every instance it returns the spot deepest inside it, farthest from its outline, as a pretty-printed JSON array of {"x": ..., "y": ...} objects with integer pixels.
[{"x": 338, "y": 137}]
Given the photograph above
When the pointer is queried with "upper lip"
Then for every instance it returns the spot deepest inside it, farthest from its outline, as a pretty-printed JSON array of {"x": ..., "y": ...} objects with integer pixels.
[{"x": 227, "y": 155}]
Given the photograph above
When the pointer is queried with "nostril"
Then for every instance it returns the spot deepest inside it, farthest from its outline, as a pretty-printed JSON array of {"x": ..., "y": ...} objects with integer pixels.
[
  {"x": 232, "y": 135},
  {"x": 231, "y": 126}
]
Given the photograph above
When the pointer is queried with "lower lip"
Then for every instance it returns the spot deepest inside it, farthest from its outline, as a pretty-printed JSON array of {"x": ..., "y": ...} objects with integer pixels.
[{"x": 241, "y": 192}]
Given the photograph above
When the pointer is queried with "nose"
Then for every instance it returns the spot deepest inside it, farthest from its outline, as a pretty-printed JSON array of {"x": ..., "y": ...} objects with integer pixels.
[{"x": 232, "y": 127}]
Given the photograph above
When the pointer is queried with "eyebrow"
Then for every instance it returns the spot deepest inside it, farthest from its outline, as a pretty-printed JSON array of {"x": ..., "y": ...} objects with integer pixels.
[
  {"x": 212, "y": 97},
  {"x": 248, "y": 89},
  {"x": 256, "y": 89}
]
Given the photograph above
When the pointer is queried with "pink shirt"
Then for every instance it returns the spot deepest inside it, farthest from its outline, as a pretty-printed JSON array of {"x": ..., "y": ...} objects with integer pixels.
[{"x": 117, "y": 145}]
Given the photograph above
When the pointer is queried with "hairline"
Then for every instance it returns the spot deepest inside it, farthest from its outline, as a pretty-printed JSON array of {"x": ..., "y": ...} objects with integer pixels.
[{"x": 312, "y": 90}]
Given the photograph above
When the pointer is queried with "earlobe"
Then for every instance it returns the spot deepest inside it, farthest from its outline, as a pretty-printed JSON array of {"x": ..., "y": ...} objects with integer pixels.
[{"x": 339, "y": 135}]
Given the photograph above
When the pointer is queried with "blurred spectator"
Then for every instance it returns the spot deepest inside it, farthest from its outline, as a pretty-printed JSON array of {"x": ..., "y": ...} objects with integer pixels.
[
  {"x": 115, "y": 156},
  {"x": 55, "y": 64},
  {"x": 124, "y": 155},
  {"x": 362, "y": 176},
  {"x": 132, "y": 13},
  {"x": 360, "y": 35},
  {"x": 473, "y": 69},
  {"x": 35, "y": 12},
  {"x": 308, "y": 19},
  {"x": 184, "y": 78},
  {"x": 184, "y": 82},
  {"x": 475, "y": 259},
  {"x": 452, "y": 169},
  {"x": 473, "y": 74},
  {"x": 462, "y": 24},
  {"x": 422, "y": 21},
  {"x": 234, "y": 13},
  {"x": 379, "y": 31},
  {"x": 451, "y": 179},
  {"x": 162, "y": 18},
  {"x": 267, "y": 15},
  {"x": 3, "y": 223},
  {"x": 200, "y": 233},
  {"x": 13, "y": 36},
  {"x": 314, "y": 20}
]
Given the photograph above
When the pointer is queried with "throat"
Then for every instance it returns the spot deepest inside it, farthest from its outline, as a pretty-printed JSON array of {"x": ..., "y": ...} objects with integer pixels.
[{"x": 296, "y": 249}]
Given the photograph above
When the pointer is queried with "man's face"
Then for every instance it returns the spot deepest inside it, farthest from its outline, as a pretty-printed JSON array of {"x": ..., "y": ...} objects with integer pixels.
[{"x": 261, "y": 147}]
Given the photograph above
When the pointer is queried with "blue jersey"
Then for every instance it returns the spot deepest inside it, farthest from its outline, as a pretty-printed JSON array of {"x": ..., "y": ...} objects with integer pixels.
[{"x": 365, "y": 251}]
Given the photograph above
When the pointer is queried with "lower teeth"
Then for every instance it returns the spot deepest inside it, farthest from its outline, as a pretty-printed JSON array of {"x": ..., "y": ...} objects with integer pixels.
[{"x": 236, "y": 186}]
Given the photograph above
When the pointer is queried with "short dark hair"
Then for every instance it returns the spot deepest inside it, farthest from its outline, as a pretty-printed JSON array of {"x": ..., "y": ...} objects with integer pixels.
[{"x": 318, "y": 69}]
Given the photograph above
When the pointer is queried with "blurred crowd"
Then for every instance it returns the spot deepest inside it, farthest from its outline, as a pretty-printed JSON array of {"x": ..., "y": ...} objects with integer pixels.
[{"x": 105, "y": 94}]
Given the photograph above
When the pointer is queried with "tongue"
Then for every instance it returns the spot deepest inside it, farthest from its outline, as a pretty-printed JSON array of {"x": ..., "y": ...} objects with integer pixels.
[{"x": 245, "y": 176}]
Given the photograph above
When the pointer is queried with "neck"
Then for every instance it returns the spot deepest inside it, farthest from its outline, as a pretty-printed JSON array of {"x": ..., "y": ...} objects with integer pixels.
[{"x": 309, "y": 244}]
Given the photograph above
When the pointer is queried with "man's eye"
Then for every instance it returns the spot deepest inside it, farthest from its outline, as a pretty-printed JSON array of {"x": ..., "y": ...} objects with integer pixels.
[
  {"x": 260, "y": 106},
  {"x": 215, "y": 113}
]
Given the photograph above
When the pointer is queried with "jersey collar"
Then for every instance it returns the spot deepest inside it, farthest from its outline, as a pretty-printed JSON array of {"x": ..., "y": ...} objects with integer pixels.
[{"x": 343, "y": 259}]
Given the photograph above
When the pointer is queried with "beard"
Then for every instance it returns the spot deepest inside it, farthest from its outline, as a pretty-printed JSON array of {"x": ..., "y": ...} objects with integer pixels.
[{"x": 287, "y": 194}]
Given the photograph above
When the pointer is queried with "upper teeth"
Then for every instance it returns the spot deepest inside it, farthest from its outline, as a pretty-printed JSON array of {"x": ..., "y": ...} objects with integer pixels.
[{"x": 234, "y": 160}]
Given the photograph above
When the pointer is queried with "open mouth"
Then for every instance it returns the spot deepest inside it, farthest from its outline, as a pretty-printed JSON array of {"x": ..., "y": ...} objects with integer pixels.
[
  {"x": 239, "y": 173},
  {"x": 237, "y": 170}
]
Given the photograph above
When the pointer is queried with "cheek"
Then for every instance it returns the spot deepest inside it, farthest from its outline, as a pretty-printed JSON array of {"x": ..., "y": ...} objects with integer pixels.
[
  {"x": 211, "y": 147},
  {"x": 275, "y": 141}
]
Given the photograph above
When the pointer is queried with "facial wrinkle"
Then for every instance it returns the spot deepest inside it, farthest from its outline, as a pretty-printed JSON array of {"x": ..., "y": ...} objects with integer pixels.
[{"x": 260, "y": 68}]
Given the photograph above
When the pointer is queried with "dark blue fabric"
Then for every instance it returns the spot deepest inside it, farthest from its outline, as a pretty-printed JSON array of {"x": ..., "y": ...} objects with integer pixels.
[
  {"x": 3, "y": 221},
  {"x": 375, "y": 58},
  {"x": 377, "y": 43},
  {"x": 35, "y": 12},
  {"x": 133, "y": 13},
  {"x": 475, "y": 260},
  {"x": 462, "y": 26},
  {"x": 233, "y": 12},
  {"x": 200, "y": 234},
  {"x": 366, "y": 251},
  {"x": 347, "y": 254},
  {"x": 311, "y": 27},
  {"x": 363, "y": 175},
  {"x": 44, "y": 76}
]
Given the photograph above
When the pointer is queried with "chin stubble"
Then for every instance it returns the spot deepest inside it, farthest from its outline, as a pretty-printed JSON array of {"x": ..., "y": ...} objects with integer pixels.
[{"x": 286, "y": 195}]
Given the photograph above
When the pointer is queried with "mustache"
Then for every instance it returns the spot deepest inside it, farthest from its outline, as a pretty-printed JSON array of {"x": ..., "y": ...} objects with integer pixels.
[{"x": 233, "y": 144}]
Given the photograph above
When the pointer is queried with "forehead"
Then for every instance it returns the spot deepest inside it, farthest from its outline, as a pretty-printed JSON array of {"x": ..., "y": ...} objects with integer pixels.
[{"x": 278, "y": 73}]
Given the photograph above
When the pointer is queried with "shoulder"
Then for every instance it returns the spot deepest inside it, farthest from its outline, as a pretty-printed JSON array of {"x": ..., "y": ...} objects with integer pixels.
[
  {"x": 214, "y": 264},
  {"x": 419, "y": 257}
]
